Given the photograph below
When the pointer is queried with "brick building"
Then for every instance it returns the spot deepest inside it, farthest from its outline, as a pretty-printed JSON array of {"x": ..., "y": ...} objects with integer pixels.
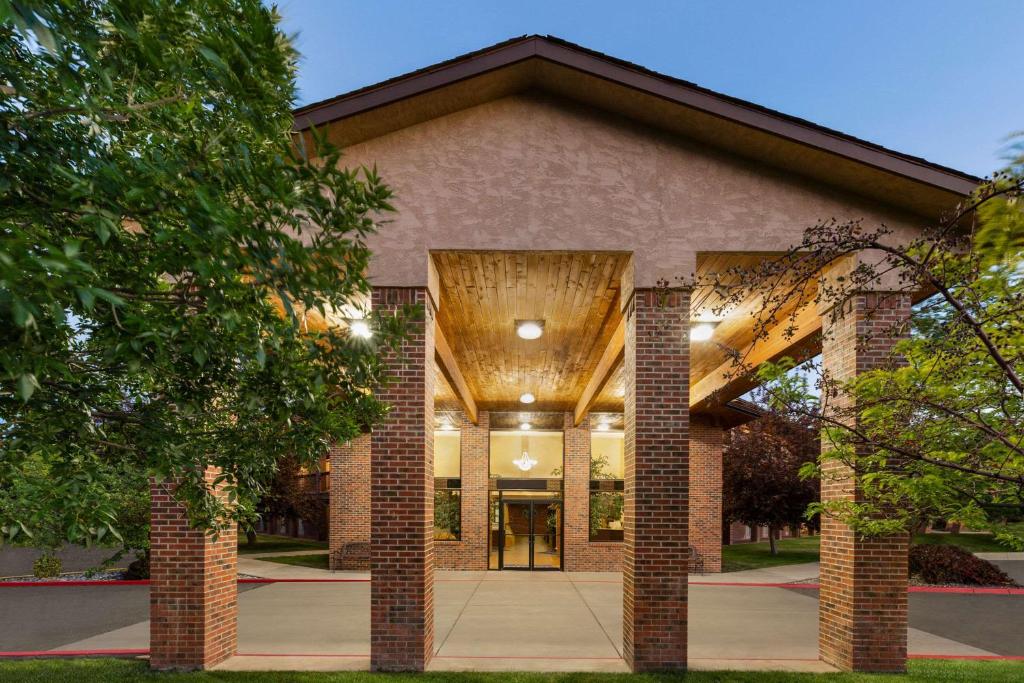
[{"x": 559, "y": 407}]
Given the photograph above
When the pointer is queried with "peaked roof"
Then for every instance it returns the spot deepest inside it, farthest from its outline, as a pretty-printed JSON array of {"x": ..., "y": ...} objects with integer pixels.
[{"x": 564, "y": 68}]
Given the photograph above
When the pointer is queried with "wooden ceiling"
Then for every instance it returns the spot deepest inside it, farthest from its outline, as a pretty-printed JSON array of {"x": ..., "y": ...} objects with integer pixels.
[
  {"x": 483, "y": 294},
  {"x": 735, "y": 327},
  {"x": 576, "y": 294}
]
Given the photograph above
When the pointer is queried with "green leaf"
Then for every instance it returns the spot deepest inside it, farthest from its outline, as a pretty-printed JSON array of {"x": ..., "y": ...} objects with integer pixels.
[{"x": 27, "y": 385}]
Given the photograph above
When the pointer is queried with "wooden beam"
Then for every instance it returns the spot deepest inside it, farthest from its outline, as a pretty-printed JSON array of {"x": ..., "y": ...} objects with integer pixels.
[
  {"x": 612, "y": 356},
  {"x": 451, "y": 372},
  {"x": 729, "y": 380}
]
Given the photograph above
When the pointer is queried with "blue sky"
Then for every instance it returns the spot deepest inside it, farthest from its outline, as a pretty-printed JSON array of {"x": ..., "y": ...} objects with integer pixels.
[{"x": 938, "y": 79}]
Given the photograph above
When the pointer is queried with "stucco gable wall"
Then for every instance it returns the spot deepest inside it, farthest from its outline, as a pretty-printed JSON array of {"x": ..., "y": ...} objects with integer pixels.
[{"x": 529, "y": 173}]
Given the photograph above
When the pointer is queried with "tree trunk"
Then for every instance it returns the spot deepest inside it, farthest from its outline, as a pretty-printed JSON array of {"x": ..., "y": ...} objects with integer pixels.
[
  {"x": 250, "y": 537},
  {"x": 772, "y": 531}
]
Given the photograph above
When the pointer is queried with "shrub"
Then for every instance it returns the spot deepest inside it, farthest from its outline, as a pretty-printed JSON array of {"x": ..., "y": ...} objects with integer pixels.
[
  {"x": 951, "y": 564},
  {"x": 139, "y": 569},
  {"x": 47, "y": 566}
]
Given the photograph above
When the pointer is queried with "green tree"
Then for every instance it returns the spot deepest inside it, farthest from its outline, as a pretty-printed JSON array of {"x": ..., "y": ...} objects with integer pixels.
[
  {"x": 171, "y": 255},
  {"x": 938, "y": 430}
]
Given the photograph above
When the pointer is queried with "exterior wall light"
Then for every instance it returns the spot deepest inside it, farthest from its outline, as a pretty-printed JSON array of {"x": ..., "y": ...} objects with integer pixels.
[
  {"x": 701, "y": 331},
  {"x": 527, "y": 398},
  {"x": 529, "y": 329}
]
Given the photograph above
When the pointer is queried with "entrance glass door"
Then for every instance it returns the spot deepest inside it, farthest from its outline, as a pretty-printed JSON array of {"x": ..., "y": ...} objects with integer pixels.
[{"x": 529, "y": 533}]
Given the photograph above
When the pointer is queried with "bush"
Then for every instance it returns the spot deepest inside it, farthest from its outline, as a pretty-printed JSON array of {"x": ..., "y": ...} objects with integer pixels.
[
  {"x": 139, "y": 569},
  {"x": 47, "y": 566},
  {"x": 941, "y": 564}
]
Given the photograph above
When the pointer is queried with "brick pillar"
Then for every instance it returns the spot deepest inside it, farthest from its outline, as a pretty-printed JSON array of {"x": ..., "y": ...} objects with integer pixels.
[
  {"x": 193, "y": 604},
  {"x": 706, "y": 493},
  {"x": 657, "y": 375},
  {"x": 470, "y": 551},
  {"x": 862, "y": 613},
  {"x": 580, "y": 554},
  {"x": 402, "y": 492},
  {"x": 349, "y": 503}
]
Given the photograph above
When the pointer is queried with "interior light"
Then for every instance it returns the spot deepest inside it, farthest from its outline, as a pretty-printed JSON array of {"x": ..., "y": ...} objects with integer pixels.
[
  {"x": 529, "y": 329},
  {"x": 603, "y": 426},
  {"x": 447, "y": 427},
  {"x": 360, "y": 328},
  {"x": 527, "y": 398},
  {"x": 526, "y": 426},
  {"x": 701, "y": 331},
  {"x": 525, "y": 463},
  {"x": 621, "y": 392}
]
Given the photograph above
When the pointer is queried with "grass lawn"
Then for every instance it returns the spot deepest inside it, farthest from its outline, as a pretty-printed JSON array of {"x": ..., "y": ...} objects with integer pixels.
[
  {"x": 758, "y": 555},
  {"x": 796, "y": 550},
  {"x": 318, "y": 561},
  {"x": 265, "y": 543},
  {"x": 102, "y": 670}
]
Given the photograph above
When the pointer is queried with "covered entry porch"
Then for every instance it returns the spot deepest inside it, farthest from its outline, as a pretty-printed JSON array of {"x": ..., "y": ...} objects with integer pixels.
[{"x": 637, "y": 368}]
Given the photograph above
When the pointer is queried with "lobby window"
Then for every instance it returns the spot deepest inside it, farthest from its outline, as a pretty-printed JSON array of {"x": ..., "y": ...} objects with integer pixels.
[
  {"x": 526, "y": 454},
  {"x": 447, "y": 485},
  {"x": 607, "y": 485}
]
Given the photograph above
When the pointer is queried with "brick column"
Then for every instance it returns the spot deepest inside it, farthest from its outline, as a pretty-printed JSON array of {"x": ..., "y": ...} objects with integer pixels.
[
  {"x": 657, "y": 374},
  {"x": 862, "y": 613},
  {"x": 470, "y": 551},
  {"x": 193, "y": 603},
  {"x": 580, "y": 555},
  {"x": 402, "y": 493},
  {"x": 349, "y": 504},
  {"x": 706, "y": 493}
]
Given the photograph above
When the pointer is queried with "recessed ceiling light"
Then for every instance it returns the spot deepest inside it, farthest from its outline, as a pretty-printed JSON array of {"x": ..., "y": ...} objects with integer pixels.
[
  {"x": 527, "y": 398},
  {"x": 526, "y": 426},
  {"x": 360, "y": 328},
  {"x": 529, "y": 329},
  {"x": 701, "y": 331}
]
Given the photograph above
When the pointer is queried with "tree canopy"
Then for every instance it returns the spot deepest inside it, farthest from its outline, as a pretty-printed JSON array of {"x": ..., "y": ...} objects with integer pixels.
[
  {"x": 171, "y": 256},
  {"x": 937, "y": 429}
]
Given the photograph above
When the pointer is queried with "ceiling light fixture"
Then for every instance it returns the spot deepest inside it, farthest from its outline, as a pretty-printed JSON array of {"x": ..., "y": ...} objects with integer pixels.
[
  {"x": 526, "y": 426},
  {"x": 529, "y": 329},
  {"x": 603, "y": 426},
  {"x": 360, "y": 328},
  {"x": 525, "y": 463},
  {"x": 701, "y": 331},
  {"x": 527, "y": 398}
]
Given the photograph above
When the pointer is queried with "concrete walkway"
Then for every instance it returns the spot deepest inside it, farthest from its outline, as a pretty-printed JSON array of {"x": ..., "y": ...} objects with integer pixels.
[{"x": 554, "y": 621}]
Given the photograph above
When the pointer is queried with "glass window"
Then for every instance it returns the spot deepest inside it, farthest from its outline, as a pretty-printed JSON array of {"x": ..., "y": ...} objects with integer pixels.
[
  {"x": 447, "y": 515},
  {"x": 606, "y": 515},
  {"x": 526, "y": 455},
  {"x": 607, "y": 455},
  {"x": 607, "y": 472},
  {"x": 447, "y": 454},
  {"x": 447, "y": 496}
]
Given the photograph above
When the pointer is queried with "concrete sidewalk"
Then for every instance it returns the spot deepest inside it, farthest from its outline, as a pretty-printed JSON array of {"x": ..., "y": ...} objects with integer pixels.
[{"x": 557, "y": 621}]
